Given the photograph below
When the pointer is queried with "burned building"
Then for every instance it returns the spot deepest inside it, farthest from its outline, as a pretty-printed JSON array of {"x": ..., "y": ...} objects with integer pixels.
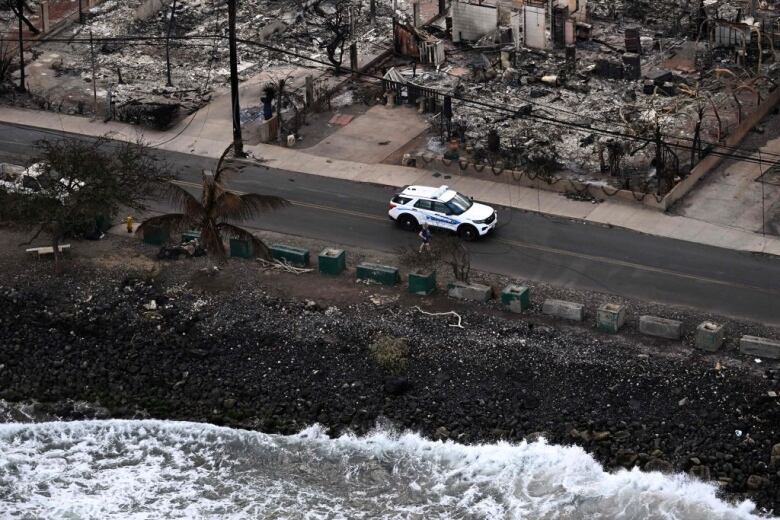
[{"x": 621, "y": 94}]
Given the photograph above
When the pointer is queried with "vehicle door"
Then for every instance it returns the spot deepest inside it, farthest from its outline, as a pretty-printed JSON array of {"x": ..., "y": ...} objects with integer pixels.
[
  {"x": 441, "y": 214},
  {"x": 424, "y": 210}
]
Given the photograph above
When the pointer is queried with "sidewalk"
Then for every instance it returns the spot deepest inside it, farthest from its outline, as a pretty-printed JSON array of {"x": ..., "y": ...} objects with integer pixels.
[{"x": 207, "y": 133}]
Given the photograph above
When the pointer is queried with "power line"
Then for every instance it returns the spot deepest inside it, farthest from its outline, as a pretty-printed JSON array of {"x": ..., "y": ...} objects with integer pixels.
[
  {"x": 517, "y": 112},
  {"x": 126, "y": 39},
  {"x": 513, "y": 111}
]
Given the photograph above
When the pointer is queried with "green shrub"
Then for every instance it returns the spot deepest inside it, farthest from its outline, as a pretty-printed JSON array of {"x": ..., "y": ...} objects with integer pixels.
[{"x": 392, "y": 354}]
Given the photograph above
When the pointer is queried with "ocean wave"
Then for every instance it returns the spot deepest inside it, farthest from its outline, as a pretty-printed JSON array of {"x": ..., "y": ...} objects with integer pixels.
[{"x": 165, "y": 469}]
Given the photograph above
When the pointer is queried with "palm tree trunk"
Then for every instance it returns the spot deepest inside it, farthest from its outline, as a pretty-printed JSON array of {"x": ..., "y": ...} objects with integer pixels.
[{"x": 57, "y": 254}]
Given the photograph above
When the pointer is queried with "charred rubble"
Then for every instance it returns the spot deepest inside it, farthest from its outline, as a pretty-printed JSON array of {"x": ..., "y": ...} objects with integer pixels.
[
  {"x": 134, "y": 36},
  {"x": 639, "y": 91}
]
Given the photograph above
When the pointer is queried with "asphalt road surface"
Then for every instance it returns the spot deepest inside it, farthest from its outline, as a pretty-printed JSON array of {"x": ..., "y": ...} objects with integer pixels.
[{"x": 562, "y": 252}]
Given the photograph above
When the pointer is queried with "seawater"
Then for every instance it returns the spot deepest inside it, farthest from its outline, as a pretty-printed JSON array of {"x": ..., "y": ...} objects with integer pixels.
[{"x": 149, "y": 469}]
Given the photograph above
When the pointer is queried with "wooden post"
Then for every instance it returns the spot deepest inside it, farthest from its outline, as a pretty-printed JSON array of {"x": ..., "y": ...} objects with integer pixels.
[{"x": 45, "y": 16}]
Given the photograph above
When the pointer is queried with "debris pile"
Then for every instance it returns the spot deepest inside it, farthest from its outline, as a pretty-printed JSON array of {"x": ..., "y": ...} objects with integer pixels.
[
  {"x": 132, "y": 37},
  {"x": 594, "y": 97}
]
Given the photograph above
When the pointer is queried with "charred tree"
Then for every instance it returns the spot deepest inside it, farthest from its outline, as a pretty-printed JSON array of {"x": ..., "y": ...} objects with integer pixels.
[{"x": 335, "y": 20}]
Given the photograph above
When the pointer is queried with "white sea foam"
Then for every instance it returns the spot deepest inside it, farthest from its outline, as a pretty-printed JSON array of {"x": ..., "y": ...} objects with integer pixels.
[{"x": 159, "y": 469}]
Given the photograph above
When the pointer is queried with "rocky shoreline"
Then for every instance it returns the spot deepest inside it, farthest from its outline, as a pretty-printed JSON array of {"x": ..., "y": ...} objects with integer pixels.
[{"x": 139, "y": 347}]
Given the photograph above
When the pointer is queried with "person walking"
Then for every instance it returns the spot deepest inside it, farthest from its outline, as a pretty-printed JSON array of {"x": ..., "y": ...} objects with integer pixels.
[{"x": 425, "y": 235}]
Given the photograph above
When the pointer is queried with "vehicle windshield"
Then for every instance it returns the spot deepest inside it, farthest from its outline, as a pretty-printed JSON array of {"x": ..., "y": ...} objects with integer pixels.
[{"x": 459, "y": 203}]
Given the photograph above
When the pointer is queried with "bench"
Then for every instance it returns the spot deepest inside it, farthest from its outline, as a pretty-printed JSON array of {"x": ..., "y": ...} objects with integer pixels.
[{"x": 47, "y": 250}]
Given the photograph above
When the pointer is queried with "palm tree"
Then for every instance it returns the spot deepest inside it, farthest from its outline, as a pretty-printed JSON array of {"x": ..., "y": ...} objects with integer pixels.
[{"x": 216, "y": 212}]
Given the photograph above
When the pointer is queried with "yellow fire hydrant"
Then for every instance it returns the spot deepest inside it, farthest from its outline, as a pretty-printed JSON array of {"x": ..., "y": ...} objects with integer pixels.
[{"x": 129, "y": 224}]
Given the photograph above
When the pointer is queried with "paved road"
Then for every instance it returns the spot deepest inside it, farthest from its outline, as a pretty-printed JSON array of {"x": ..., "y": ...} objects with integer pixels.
[{"x": 527, "y": 245}]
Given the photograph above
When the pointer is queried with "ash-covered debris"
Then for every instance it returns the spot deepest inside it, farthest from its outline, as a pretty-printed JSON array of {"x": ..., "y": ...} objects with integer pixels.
[
  {"x": 132, "y": 63},
  {"x": 625, "y": 69}
]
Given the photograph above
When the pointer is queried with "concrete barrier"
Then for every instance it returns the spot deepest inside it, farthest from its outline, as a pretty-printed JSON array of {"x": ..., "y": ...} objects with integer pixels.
[
  {"x": 761, "y": 347},
  {"x": 332, "y": 261},
  {"x": 564, "y": 309},
  {"x": 469, "y": 291},
  {"x": 516, "y": 298},
  {"x": 610, "y": 317},
  {"x": 240, "y": 248},
  {"x": 422, "y": 283},
  {"x": 709, "y": 336},
  {"x": 660, "y": 327},
  {"x": 384, "y": 274},
  {"x": 292, "y": 255}
]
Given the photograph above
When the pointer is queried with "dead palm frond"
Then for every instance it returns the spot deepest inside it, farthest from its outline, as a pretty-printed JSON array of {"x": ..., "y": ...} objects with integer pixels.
[{"x": 217, "y": 211}]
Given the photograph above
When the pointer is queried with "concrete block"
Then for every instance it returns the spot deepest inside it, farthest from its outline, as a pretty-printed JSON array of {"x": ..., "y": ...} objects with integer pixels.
[
  {"x": 292, "y": 255},
  {"x": 709, "y": 336},
  {"x": 383, "y": 274},
  {"x": 240, "y": 248},
  {"x": 660, "y": 327},
  {"x": 422, "y": 283},
  {"x": 610, "y": 317},
  {"x": 470, "y": 291},
  {"x": 516, "y": 297},
  {"x": 564, "y": 309},
  {"x": 156, "y": 235},
  {"x": 760, "y": 347},
  {"x": 332, "y": 261}
]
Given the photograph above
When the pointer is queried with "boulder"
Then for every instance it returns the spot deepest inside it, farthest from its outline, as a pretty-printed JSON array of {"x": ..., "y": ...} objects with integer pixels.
[
  {"x": 774, "y": 458},
  {"x": 701, "y": 472},
  {"x": 656, "y": 464}
]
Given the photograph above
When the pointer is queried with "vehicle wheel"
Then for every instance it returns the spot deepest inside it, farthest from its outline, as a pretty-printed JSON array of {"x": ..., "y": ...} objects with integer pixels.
[
  {"x": 468, "y": 233},
  {"x": 408, "y": 222}
]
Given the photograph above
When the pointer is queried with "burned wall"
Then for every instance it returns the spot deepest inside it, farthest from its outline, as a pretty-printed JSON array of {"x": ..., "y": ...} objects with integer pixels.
[{"x": 471, "y": 22}]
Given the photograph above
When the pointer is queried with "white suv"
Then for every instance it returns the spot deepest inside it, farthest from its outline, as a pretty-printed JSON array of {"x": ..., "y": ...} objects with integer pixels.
[{"x": 444, "y": 208}]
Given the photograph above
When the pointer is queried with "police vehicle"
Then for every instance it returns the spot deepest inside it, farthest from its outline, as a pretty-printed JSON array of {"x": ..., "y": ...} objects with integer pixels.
[{"x": 442, "y": 208}]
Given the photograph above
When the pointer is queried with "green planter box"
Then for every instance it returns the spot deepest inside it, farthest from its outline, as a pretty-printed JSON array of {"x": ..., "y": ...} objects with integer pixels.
[
  {"x": 610, "y": 317},
  {"x": 516, "y": 297},
  {"x": 155, "y": 235},
  {"x": 422, "y": 283},
  {"x": 332, "y": 261},
  {"x": 189, "y": 236},
  {"x": 383, "y": 274},
  {"x": 241, "y": 248},
  {"x": 103, "y": 223},
  {"x": 292, "y": 255}
]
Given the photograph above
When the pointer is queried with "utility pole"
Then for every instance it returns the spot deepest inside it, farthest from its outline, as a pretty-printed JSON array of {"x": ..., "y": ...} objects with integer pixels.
[
  {"x": 94, "y": 79},
  {"x": 660, "y": 167},
  {"x": 81, "y": 13},
  {"x": 168, "y": 43},
  {"x": 760, "y": 178},
  {"x": 238, "y": 145},
  {"x": 22, "y": 88}
]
